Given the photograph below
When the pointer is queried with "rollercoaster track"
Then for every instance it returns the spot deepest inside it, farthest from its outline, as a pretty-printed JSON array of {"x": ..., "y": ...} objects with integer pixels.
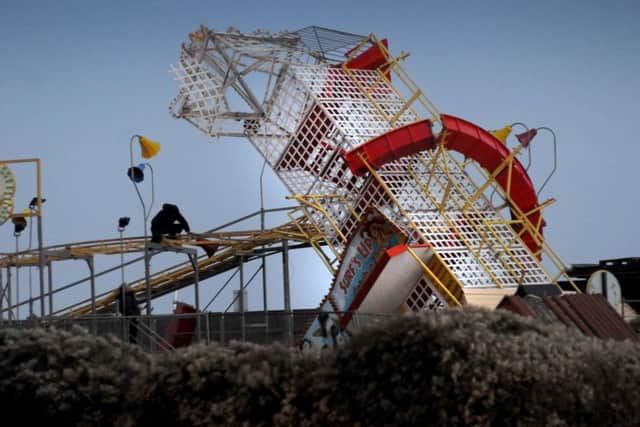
[
  {"x": 233, "y": 247},
  {"x": 183, "y": 275},
  {"x": 136, "y": 244},
  {"x": 236, "y": 247}
]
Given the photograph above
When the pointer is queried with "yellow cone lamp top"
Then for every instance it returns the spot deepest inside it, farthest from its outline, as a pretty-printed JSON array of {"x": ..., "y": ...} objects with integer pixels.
[
  {"x": 502, "y": 134},
  {"x": 149, "y": 148}
]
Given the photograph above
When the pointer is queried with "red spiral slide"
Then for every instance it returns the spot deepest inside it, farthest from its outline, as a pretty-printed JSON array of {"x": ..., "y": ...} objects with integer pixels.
[{"x": 468, "y": 139}]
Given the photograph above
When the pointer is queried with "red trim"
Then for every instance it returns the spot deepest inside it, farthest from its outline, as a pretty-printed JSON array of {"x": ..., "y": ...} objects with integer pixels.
[
  {"x": 400, "y": 249},
  {"x": 396, "y": 250}
]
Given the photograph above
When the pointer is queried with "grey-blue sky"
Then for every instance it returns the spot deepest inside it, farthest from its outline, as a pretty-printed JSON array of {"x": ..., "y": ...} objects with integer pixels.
[{"x": 79, "y": 78}]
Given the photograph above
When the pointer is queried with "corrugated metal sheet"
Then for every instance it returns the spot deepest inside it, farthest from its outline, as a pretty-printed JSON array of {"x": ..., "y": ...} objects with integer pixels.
[
  {"x": 515, "y": 304},
  {"x": 590, "y": 314}
]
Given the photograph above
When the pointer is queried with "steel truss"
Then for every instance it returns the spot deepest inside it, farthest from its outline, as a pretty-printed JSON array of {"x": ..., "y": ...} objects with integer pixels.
[
  {"x": 315, "y": 109},
  {"x": 234, "y": 248}
]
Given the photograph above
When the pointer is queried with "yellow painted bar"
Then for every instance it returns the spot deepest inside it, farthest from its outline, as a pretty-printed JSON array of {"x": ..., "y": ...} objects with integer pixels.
[{"x": 433, "y": 277}]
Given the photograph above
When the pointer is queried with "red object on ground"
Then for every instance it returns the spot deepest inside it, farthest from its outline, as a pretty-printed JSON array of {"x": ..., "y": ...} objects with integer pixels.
[
  {"x": 392, "y": 145},
  {"x": 180, "y": 331}
]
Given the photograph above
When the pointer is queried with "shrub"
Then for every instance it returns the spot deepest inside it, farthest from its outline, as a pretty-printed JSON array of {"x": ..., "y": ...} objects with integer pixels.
[
  {"x": 65, "y": 378},
  {"x": 457, "y": 367},
  {"x": 242, "y": 384},
  {"x": 470, "y": 367}
]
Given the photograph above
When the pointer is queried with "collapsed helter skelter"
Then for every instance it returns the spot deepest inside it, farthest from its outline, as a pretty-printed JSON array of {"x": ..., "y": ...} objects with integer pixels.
[{"x": 418, "y": 210}]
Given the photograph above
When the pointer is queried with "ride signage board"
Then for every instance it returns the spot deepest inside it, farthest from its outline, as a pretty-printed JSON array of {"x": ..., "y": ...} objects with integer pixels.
[
  {"x": 362, "y": 257},
  {"x": 367, "y": 246}
]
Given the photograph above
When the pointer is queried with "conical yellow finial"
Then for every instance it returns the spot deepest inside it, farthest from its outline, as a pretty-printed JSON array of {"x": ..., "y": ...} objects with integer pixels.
[
  {"x": 149, "y": 148},
  {"x": 502, "y": 134}
]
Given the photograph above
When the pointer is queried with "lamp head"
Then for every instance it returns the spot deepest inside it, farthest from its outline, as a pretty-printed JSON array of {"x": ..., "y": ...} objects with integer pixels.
[
  {"x": 19, "y": 224},
  {"x": 148, "y": 147},
  {"x": 136, "y": 173},
  {"x": 526, "y": 137},
  {"x": 123, "y": 222},
  {"x": 502, "y": 134}
]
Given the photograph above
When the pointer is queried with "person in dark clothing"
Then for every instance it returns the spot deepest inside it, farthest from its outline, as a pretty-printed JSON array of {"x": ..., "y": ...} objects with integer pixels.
[
  {"x": 128, "y": 306},
  {"x": 168, "y": 221},
  {"x": 127, "y": 302}
]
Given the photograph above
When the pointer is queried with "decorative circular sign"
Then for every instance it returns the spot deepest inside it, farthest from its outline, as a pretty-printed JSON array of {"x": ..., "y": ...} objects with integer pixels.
[
  {"x": 603, "y": 282},
  {"x": 7, "y": 190}
]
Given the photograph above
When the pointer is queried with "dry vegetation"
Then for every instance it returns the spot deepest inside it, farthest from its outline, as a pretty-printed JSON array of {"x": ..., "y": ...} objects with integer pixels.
[{"x": 459, "y": 367}]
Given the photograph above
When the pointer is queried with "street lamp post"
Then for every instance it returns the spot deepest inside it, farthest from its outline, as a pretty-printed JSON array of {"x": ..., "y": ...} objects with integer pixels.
[
  {"x": 136, "y": 175},
  {"x": 122, "y": 224}
]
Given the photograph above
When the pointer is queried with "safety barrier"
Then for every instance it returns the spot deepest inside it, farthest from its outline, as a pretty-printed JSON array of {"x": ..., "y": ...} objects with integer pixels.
[{"x": 167, "y": 332}]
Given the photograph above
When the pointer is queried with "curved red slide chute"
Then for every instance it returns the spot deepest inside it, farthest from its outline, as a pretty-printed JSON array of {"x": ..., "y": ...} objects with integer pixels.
[
  {"x": 465, "y": 138},
  {"x": 392, "y": 145},
  {"x": 478, "y": 144}
]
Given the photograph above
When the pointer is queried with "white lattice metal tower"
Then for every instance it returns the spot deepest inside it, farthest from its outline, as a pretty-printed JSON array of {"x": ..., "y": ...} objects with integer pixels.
[{"x": 348, "y": 131}]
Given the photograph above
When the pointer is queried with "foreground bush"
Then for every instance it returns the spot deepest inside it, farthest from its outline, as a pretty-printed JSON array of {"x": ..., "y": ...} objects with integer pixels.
[
  {"x": 242, "y": 384},
  {"x": 471, "y": 367},
  {"x": 458, "y": 367},
  {"x": 53, "y": 377}
]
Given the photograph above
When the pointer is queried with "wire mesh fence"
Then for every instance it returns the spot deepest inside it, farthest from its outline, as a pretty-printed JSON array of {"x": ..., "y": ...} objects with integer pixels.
[{"x": 166, "y": 332}]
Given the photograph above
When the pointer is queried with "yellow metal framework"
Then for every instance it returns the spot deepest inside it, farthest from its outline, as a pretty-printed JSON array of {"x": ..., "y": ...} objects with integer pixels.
[{"x": 232, "y": 244}]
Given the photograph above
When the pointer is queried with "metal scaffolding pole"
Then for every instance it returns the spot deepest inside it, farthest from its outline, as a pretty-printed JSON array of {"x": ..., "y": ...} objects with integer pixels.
[
  {"x": 196, "y": 290},
  {"x": 40, "y": 252},
  {"x": 9, "y": 310},
  {"x": 264, "y": 300},
  {"x": 264, "y": 263},
  {"x": 92, "y": 280},
  {"x": 17, "y": 267},
  {"x": 147, "y": 279},
  {"x": 287, "y": 293},
  {"x": 41, "y": 260},
  {"x": 2, "y": 296},
  {"x": 196, "y": 279},
  {"x": 241, "y": 299},
  {"x": 50, "y": 274},
  {"x": 89, "y": 260}
]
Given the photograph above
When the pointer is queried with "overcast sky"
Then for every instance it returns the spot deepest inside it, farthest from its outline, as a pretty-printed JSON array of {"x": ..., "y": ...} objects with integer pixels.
[{"x": 79, "y": 78}]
